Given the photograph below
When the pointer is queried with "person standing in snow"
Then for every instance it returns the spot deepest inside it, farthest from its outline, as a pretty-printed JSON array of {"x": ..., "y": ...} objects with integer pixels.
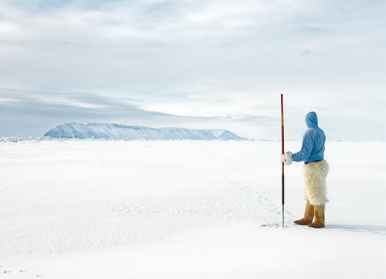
[{"x": 315, "y": 171}]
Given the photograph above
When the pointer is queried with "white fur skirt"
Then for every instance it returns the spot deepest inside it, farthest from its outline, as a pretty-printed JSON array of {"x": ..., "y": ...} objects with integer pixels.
[{"x": 315, "y": 189}]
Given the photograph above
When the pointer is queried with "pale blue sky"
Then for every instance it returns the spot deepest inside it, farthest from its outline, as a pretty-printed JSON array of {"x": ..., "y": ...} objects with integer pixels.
[{"x": 194, "y": 64}]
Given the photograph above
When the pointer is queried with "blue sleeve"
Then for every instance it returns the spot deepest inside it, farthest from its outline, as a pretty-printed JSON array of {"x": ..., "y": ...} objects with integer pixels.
[{"x": 307, "y": 146}]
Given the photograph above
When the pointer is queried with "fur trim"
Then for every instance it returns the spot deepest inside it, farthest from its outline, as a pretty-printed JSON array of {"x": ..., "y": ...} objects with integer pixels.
[{"x": 315, "y": 189}]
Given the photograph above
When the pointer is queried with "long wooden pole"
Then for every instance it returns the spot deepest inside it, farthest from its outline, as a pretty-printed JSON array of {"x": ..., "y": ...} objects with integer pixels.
[{"x": 282, "y": 164}]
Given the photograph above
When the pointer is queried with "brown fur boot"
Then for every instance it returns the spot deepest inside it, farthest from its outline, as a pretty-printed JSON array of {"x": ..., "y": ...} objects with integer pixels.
[
  {"x": 319, "y": 217},
  {"x": 308, "y": 215}
]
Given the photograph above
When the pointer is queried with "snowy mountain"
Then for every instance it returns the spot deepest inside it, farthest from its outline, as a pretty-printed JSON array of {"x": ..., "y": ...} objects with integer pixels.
[{"x": 116, "y": 131}]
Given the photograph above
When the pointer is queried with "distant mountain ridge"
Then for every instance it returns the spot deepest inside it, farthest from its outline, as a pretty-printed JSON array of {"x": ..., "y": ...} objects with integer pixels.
[{"x": 117, "y": 131}]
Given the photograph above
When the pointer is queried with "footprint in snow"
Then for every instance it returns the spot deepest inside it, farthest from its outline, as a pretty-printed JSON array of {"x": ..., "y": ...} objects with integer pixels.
[{"x": 269, "y": 225}]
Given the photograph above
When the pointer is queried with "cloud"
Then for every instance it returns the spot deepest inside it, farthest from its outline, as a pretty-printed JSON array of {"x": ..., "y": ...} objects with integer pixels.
[
  {"x": 197, "y": 59},
  {"x": 306, "y": 53},
  {"x": 29, "y": 113},
  {"x": 65, "y": 104}
]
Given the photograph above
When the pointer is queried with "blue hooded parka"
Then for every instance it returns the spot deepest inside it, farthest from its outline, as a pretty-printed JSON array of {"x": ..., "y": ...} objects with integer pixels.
[{"x": 313, "y": 141}]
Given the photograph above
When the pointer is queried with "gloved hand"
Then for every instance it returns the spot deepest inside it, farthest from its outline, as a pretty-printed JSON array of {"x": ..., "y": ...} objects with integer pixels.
[{"x": 286, "y": 158}]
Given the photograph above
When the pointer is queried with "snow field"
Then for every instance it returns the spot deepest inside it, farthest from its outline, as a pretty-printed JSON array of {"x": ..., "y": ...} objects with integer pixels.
[{"x": 183, "y": 209}]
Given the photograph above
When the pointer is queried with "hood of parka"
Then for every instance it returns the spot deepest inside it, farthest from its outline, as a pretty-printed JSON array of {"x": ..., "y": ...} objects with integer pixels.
[{"x": 312, "y": 120}]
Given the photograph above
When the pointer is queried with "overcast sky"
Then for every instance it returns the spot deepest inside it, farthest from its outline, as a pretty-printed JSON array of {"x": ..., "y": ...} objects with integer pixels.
[{"x": 194, "y": 64}]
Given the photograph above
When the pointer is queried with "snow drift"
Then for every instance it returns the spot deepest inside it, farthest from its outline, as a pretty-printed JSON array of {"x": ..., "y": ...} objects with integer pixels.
[{"x": 116, "y": 131}]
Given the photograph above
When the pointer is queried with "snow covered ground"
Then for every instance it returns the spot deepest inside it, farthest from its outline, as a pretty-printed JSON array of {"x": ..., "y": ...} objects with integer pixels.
[{"x": 185, "y": 209}]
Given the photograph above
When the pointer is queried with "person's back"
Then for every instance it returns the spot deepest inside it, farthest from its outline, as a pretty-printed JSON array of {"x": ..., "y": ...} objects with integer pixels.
[{"x": 313, "y": 141}]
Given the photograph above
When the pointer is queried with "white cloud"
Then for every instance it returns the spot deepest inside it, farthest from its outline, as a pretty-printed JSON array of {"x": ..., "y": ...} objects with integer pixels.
[{"x": 199, "y": 58}]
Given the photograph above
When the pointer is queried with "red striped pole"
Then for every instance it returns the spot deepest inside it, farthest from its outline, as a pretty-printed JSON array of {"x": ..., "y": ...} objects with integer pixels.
[{"x": 282, "y": 164}]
